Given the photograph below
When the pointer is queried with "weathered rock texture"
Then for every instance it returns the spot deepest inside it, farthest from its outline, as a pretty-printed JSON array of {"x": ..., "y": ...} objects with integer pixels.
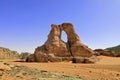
[
  {"x": 54, "y": 43},
  {"x": 8, "y": 54},
  {"x": 76, "y": 46},
  {"x": 103, "y": 52},
  {"x": 56, "y": 50}
]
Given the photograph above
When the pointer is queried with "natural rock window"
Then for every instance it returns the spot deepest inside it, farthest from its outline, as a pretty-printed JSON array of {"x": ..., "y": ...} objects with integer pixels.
[
  {"x": 56, "y": 50},
  {"x": 64, "y": 36}
]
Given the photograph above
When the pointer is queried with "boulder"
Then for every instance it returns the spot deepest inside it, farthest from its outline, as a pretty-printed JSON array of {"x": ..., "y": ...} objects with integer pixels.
[
  {"x": 40, "y": 54},
  {"x": 30, "y": 58},
  {"x": 118, "y": 55},
  {"x": 91, "y": 59},
  {"x": 78, "y": 60}
]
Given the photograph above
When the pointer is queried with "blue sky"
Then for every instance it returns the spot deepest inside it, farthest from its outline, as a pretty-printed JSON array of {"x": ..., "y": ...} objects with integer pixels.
[{"x": 25, "y": 24}]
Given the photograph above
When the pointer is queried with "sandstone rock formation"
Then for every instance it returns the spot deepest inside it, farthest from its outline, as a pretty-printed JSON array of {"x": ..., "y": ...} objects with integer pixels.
[
  {"x": 54, "y": 43},
  {"x": 103, "y": 52},
  {"x": 76, "y": 46},
  {"x": 8, "y": 54},
  {"x": 30, "y": 58},
  {"x": 53, "y": 47},
  {"x": 56, "y": 50}
]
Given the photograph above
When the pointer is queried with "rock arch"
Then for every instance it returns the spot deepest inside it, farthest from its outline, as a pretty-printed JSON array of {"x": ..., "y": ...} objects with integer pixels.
[
  {"x": 76, "y": 46},
  {"x": 55, "y": 49}
]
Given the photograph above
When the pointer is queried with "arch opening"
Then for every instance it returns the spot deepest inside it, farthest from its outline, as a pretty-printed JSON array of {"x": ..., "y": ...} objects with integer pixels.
[{"x": 63, "y": 36}]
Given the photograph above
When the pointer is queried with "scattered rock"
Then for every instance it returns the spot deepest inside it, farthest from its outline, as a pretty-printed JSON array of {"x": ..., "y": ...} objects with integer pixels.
[
  {"x": 20, "y": 73},
  {"x": 4, "y": 67}
]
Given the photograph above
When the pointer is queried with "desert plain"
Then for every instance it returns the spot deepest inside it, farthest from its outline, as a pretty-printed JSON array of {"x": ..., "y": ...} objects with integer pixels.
[{"x": 106, "y": 68}]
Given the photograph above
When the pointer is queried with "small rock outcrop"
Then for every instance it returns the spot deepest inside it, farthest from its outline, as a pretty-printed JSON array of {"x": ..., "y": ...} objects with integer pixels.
[
  {"x": 30, "y": 58},
  {"x": 6, "y": 53},
  {"x": 56, "y": 50},
  {"x": 103, "y": 52}
]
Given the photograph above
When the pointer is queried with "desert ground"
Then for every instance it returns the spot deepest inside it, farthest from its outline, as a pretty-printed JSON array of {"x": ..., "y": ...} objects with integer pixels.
[{"x": 107, "y": 68}]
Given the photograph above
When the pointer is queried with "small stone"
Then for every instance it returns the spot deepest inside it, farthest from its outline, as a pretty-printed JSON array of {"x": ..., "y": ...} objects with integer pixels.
[
  {"x": 117, "y": 74},
  {"x": 90, "y": 71}
]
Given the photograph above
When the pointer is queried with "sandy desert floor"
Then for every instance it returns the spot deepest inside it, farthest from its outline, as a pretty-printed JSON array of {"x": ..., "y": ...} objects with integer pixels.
[{"x": 107, "y": 68}]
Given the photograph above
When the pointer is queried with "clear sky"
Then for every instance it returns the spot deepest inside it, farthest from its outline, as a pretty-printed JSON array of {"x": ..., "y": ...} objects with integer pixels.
[{"x": 25, "y": 24}]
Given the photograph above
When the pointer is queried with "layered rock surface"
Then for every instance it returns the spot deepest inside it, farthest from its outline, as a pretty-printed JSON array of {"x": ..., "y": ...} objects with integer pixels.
[
  {"x": 103, "y": 52},
  {"x": 76, "y": 46},
  {"x": 6, "y": 53},
  {"x": 56, "y": 50}
]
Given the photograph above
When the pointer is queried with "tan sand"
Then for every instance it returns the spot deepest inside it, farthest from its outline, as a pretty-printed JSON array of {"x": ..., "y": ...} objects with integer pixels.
[{"x": 107, "y": 68}]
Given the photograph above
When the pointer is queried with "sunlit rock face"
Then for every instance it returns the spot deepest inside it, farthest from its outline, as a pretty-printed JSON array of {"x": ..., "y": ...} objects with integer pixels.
[
  {"x": 76, "y": 46},
  {"x": 56, "y": 50},
  {"x": 54, "y": 44}
]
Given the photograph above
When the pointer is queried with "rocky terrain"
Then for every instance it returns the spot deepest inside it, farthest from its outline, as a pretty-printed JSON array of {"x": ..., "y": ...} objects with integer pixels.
[
  {"x": 106, "y": 52},
  {"x": 106, "y": 68},
  {"x": 15, "y": 72},
  {"x": 56, "y": 50},
  {"x": 6, "y": 53}
]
